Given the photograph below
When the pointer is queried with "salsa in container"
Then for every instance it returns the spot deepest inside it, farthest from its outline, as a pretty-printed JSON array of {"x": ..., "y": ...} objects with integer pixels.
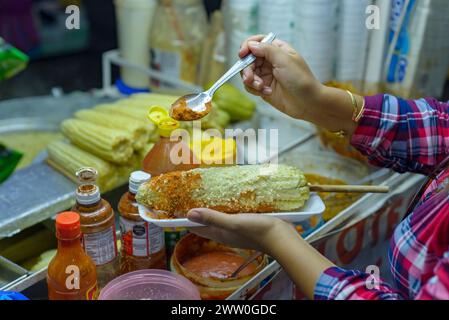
[{"x": 209, "y": 265}]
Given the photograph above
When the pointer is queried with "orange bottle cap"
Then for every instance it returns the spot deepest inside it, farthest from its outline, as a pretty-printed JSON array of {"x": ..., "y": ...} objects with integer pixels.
[{"x": 68, "y": 225}]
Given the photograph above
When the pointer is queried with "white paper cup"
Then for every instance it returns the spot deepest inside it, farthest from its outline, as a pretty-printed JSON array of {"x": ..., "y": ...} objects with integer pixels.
[{"x": 134, "y": 18}]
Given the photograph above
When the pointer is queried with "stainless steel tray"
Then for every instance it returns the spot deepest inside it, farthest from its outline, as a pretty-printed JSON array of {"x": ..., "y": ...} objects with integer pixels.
[{"x": 37, "y": 192}]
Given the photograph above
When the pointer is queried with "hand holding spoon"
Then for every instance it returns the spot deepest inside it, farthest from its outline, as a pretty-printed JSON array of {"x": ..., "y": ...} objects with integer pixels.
[{"x": 197, "y": 105}]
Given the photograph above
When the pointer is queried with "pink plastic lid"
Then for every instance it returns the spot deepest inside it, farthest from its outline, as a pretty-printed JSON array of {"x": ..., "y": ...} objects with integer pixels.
[{"x": 150, "y": 285}]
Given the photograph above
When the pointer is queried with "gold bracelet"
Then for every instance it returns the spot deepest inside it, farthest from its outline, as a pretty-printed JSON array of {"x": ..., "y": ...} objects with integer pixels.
[
  {"x": 354, "y": 105},
  {"x": 356, "y": 114},
  {"x": 359, "y": 116}
]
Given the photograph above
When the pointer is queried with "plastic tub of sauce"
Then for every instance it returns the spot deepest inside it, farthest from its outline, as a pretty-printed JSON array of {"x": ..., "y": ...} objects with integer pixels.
[{"x": 209, "y": 266}]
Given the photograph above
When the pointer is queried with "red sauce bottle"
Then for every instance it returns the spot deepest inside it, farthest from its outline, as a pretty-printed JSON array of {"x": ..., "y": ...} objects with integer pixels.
[{"x": 71, "y": 274}]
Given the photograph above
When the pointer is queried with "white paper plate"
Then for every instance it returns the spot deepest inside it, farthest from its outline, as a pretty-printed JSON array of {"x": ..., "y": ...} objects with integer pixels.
[{"x": 314, "y": 206}]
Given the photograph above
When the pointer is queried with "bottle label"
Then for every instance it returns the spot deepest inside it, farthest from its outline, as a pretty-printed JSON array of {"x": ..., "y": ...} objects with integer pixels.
[
  {"x": 101, "y": 246},
  {"x": 140, "y": 238},
  {"x": 167, "y": 62},
  {"x": 92, "y": 293}
]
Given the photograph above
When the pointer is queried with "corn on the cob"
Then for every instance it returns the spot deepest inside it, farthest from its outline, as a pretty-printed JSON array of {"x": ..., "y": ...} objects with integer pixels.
[
  {"x": 68, "y": 158},
  {"x": 237, "y": 189},
  {"x": 139, "y": 129},
  {"x": 108, "y": 144},
  {"x": 124, "y": 171},
  {"x": 234, "y": 102},
  {"x": 136, "y": 113}
]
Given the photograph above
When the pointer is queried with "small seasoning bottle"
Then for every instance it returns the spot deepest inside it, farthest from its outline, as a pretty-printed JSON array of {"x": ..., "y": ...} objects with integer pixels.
[
  {"x": 97, "y": 226},
  {"x": 143, "y": 245}
]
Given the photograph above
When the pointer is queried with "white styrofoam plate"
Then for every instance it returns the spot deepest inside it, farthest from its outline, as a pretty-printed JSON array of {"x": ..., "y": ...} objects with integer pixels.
[{"x": 314, "y": 206}]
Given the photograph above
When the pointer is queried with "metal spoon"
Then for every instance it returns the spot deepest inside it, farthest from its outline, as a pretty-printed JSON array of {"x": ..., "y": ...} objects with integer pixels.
[
  {"x": 197, "y": 105},
  {"x": 256, "y": 255}
]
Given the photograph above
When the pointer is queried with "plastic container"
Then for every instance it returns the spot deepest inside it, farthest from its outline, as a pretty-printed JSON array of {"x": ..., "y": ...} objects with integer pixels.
[
  {"x": 210, "y": 287},
  {"x": 177, "y": 36},
  {"x": 134, "y": 19},
  {"x": 150, "y": 285},
  {"x": 313, "y": 207}
]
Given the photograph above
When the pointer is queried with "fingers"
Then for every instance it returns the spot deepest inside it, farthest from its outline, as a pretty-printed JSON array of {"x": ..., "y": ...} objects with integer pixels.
[
  {"x": 252, "y": 79},
  {"x": 211, "y": 218},
  {"x": 270, "y": 52},
  {"x": 244, "y": 49}
]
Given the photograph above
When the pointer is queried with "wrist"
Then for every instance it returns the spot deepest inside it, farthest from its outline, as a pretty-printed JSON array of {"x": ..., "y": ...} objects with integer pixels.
[{"x": 280, "y": 234}]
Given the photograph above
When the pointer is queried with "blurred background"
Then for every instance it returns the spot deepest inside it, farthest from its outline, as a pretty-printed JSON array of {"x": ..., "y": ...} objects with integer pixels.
[
  {"x": 77, "y": 79},
  {"x": 331, "y": 34}
]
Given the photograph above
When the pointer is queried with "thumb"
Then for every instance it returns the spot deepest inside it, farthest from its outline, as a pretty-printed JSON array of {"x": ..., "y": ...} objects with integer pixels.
[
  {"x": 211, "y": 218},
  {"x": 270, "y": 52}
]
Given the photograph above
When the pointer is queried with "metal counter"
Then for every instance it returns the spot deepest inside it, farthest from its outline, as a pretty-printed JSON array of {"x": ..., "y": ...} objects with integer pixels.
[{"x": 37, "y": 192}]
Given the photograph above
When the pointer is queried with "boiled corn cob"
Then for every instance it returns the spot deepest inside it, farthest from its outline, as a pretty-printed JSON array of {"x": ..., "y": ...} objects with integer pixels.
[
  {"x": 108, "y": 144},
  {"x": 123, "y": 110},
  {"x": 234, "y": 102},
  {"x": 68, "y": 158},
  {"x": 139, "y": 129},
  {"x": 236, "y": 189}
]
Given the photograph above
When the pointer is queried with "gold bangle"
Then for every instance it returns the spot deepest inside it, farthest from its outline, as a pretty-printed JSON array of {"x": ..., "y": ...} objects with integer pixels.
[
  {"x": 354, "y": 105},
  {"x": 359, "y": 116},
  {"x": 356, "y": 113}
]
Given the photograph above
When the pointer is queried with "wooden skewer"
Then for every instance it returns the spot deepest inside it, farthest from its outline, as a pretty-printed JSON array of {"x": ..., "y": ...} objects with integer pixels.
[{"x": 349, "y": 189}]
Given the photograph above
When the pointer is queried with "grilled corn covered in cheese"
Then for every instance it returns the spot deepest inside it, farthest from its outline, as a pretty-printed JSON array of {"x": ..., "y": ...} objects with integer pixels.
[{"x": 236, "y": 189}]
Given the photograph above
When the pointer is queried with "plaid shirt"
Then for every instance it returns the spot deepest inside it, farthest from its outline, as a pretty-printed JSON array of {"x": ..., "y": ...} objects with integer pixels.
[{"x": 407, "y": 136}]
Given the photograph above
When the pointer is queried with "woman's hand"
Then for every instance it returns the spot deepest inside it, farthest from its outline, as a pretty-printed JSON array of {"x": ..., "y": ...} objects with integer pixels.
[
  {"x": 248, "y": 231},
  {"x": 270, "y": 235},
  {"x": 282, "y": 78}
]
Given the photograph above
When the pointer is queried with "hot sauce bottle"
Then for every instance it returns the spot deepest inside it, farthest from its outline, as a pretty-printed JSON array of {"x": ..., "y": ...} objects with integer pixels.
[
  {"x": 159, "y": 160},
  {"x": 97, "y": 226},
  {"x": 143, "y": 245},
  {"x": 71, "y": 273}
]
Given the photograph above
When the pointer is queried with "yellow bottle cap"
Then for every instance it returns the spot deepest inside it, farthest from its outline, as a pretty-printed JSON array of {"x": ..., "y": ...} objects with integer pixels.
[
  {"x": 160, "y": 117},
  {"x": 166, "y": 126},
  {"x": 157, "y": 113}
]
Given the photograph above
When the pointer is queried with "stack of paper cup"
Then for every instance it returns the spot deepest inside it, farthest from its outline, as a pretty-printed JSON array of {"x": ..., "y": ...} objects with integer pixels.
[
  {"x": 278, "y": 17},
  {"x": 240, "y": 22},
  {"x": 315, "y": 35},
  {"x": 133, "y": 23},
  {"x": 376, "y": 49},
  {"x": 352, "y": 40}
]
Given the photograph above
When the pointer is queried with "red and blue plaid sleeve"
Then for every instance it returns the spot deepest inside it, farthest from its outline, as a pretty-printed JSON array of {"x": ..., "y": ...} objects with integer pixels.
[
  {"x": 405, "y": 135},
  {"x": 340, "y": 284}
]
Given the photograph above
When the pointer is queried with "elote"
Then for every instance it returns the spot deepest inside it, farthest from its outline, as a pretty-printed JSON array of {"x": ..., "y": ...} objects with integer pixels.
[
  {"x": 139, "y": 129},
  {"x": 236, "y": 189},
  {"x": 108, "y": 144},
  {"x": 68, "y": 158}
]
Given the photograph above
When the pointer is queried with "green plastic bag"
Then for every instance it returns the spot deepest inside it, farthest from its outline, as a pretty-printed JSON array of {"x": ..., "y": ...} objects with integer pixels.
[
  {"x": 9, "y": 159},
  {"x": 12, "y": 60}
]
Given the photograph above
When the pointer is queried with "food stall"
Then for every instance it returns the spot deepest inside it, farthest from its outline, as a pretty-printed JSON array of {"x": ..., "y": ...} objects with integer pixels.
[{"x": 63, "y": 132}]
